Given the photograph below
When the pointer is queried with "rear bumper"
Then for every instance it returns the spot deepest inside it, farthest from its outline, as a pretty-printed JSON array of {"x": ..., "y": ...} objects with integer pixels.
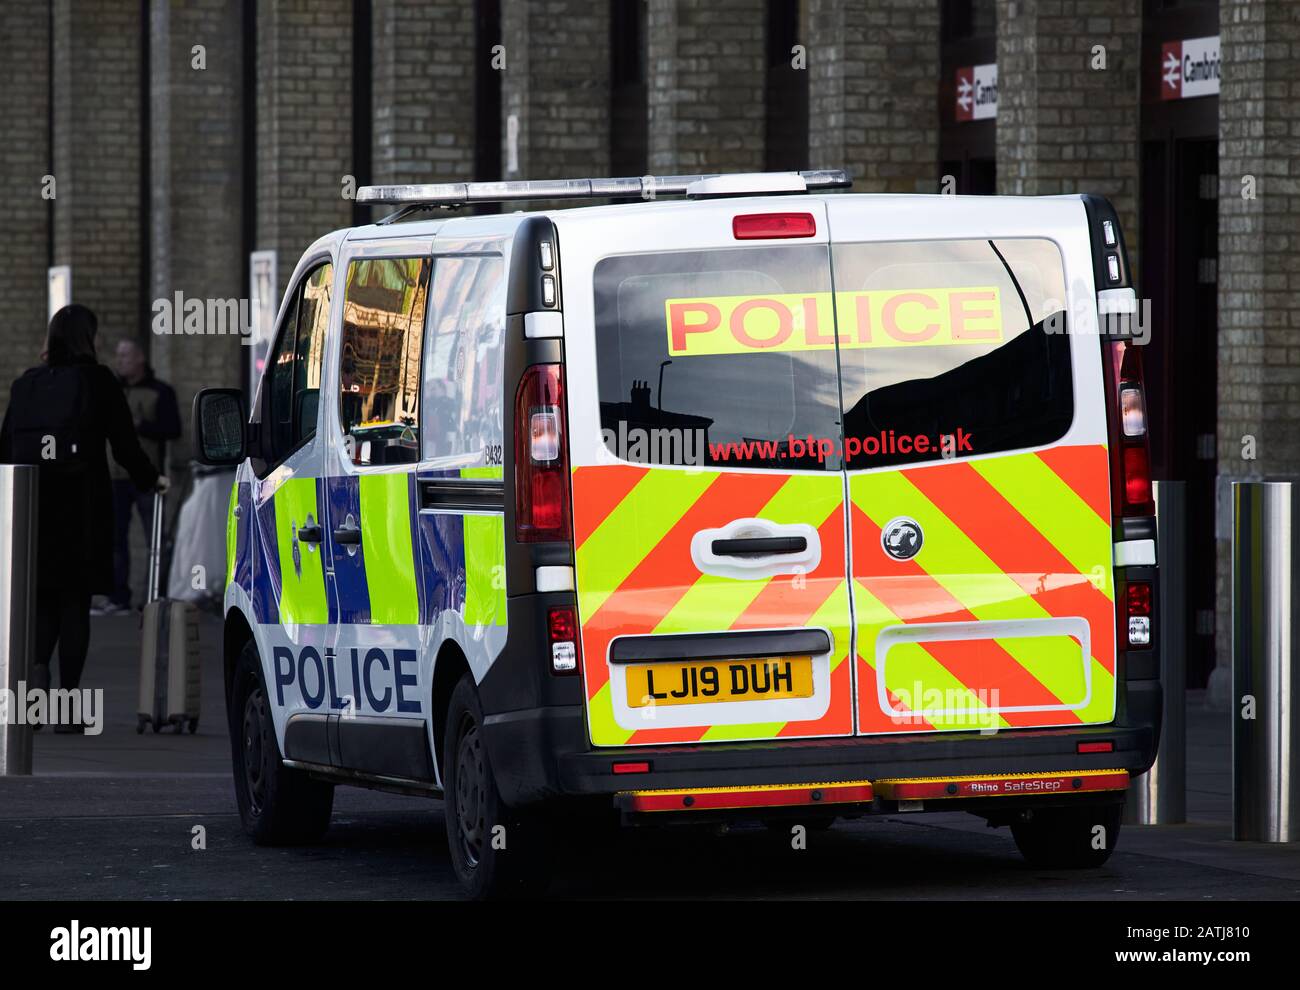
[{"x": 544, "y": 753}]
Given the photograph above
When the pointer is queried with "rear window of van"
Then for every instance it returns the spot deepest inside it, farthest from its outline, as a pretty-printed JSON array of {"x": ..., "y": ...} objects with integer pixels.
[
  {"x": 815, "y": 358},
  {"x": 974, "y": 349}
]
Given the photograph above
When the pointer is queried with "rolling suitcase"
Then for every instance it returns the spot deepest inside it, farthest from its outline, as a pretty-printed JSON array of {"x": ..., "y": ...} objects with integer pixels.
[{"x": 169, "y": 650}]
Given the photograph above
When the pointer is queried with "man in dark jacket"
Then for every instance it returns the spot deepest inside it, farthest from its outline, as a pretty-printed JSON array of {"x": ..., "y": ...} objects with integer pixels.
[
  {"x": 157, "y": 420},
  {"x": 61, "y": 416}
]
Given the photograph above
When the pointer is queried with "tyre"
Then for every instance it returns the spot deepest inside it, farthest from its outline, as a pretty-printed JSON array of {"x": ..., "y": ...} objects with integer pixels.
[
  {"x": 495, "y": 853},
  {"x": 1069, "y": 838},
  {"x": 278, "y": 805}
]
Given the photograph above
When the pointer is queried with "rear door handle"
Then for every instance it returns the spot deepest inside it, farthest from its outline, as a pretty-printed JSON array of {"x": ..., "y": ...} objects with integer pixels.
[
  {"x": 310, "y": 534},
  {"x": 752, "y": 549},
  {"x": 348, "y": 536},
  {"x": 759, "y": 546}
]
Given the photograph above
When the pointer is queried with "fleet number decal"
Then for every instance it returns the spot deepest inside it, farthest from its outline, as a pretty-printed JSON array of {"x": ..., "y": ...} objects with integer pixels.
[{"x": 806, "y": 322}]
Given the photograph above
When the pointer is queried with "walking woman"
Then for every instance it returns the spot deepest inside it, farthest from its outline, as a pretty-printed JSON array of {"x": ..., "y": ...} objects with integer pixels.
[{"x": 60, "y": 416}]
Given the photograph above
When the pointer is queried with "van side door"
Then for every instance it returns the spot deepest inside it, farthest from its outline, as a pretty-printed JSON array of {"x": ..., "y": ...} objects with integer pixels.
[
  {"x": 290, "y": 596},
  {"x": 369, "y": 494}
]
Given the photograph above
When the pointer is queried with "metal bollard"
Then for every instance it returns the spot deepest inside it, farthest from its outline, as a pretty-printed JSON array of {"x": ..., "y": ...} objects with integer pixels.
[
  {"x": 18, "y": 509},
  {"x": 1159, "y": 796},
  {"x": 1265, "y": 692}
]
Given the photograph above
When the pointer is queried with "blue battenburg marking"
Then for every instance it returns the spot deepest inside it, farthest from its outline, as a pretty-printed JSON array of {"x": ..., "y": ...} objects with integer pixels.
[
  {"x": 421, "y": 566},
  {"x": 243, "y": 575},
  {"x": 352, "y": 601},
  {"x": 266, "y": 565},
  {"x": 442, "y": 554}
]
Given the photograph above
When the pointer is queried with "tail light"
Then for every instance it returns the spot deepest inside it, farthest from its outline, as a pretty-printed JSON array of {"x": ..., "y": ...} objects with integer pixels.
[
  {"x": 1130, "y": 450},
  {"x": 562, "y": 631},
  {"x": 1137, "y": 613},
  {"x": 541, "y": 464}
]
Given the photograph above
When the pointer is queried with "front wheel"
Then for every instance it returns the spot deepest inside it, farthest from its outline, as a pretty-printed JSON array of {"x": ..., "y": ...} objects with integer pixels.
[
  {"x": 495, "y": 852},
  {"x": 1068, "y": 838},
  {"x": 278, "y": 805}
]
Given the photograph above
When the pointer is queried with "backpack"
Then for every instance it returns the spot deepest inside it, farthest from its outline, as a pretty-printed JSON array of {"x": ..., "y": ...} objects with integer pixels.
[{"x": 47, "y": 416}]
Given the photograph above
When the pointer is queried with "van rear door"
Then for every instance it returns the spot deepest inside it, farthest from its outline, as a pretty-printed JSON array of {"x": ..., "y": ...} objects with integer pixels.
[
  {"x": 708, "y": 495},
  {"x": 978, "y": 475}
]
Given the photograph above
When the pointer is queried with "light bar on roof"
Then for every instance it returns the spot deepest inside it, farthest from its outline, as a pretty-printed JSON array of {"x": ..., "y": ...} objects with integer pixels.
[{"x": 631, "y": 187}]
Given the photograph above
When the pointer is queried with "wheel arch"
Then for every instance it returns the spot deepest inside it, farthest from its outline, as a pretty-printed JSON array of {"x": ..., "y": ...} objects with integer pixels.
[
  {"x": 238, "y": 633},
  {"x": 448, "y": 668}
]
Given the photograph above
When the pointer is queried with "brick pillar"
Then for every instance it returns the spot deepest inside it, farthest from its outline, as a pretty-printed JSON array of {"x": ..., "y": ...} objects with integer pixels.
[
  {"x": 706, "y": 67},
  {"x": 423, "y": 117},
  {"x": 196, "y": 162},
  {"x": 98, "y": 212},
  {"x": 1063, "y": 125},
  {"x": 555, "y": 89},
  {"x": 24, "y": 160},
  {"x": 1258, "y": 289},
  {"x": 304, "y": 124},
  {"x": 874, "y": 92}
]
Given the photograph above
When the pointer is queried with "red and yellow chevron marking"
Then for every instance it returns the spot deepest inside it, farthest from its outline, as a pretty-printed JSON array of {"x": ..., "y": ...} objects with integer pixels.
[
  {"x": 636, "y": 576},
  {"x": 1019, "y": 537},
  {"x": 1005, "y": 538},
  {"x": 759, "y": 796}
]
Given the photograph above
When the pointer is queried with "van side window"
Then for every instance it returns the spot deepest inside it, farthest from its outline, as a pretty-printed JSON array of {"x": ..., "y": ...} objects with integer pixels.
[
  {"x": 313, "y": 321},
  {"x": 293, "y": 373},
  {"x": 463, "y": 364},
  {"x": 379, "y": 390}
]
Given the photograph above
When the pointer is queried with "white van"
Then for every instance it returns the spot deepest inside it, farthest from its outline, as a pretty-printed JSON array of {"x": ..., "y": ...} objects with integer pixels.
[{"x": 744, "y": 498}]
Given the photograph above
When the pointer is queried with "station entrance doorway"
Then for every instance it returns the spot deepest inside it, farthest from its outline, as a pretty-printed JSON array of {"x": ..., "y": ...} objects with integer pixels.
[{"x": 1178, "y": 273}]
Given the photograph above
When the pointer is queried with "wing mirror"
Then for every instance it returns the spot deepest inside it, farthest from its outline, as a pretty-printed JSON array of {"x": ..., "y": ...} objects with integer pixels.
[{"x": 219, "y": 433}]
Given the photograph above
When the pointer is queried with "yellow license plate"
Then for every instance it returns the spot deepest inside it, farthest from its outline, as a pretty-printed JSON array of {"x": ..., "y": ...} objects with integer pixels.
[{"x": 694, "y": 682}]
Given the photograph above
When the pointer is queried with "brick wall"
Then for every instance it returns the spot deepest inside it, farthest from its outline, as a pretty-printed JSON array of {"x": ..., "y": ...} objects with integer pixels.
[
  {"x": 97, "y": 120},
  {"x": 423, "y": 94},
  {"x": 706, "y": 65},
  {"x": 1064, "y": 126},
  {"x": 1259, "y": 261},
  {"x": 304, "y": 124},
  {"x": 555, "y": 89},
  {"x": 196, "y": 157},
  {"x": 874, "y": 92},
  {"x": 24, "y": 159}
]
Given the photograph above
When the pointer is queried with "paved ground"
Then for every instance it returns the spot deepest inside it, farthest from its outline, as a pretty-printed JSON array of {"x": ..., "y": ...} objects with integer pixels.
[{"x": 114, "y": 816}]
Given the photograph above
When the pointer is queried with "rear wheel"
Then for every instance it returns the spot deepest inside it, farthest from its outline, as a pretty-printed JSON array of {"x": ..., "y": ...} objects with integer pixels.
[
  {"x": 1068, "y": 838},
  {"x": 495, "y": 852},
  {"x": 278, "y": 805}
]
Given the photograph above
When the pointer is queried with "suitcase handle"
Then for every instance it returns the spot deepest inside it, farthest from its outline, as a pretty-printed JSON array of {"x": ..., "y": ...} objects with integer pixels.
[{"x": 155, "y": 549}]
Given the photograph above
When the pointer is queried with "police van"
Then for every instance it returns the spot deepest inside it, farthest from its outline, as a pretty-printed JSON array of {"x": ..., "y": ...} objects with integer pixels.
[{"x": 739, "y": 498}]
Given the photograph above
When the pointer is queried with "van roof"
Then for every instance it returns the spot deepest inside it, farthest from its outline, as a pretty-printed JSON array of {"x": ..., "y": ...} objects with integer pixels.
[{"x": 976, "y": 209}]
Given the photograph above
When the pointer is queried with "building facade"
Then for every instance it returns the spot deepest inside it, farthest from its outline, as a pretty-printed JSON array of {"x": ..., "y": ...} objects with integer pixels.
[{"x": 153, "y": 148}]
